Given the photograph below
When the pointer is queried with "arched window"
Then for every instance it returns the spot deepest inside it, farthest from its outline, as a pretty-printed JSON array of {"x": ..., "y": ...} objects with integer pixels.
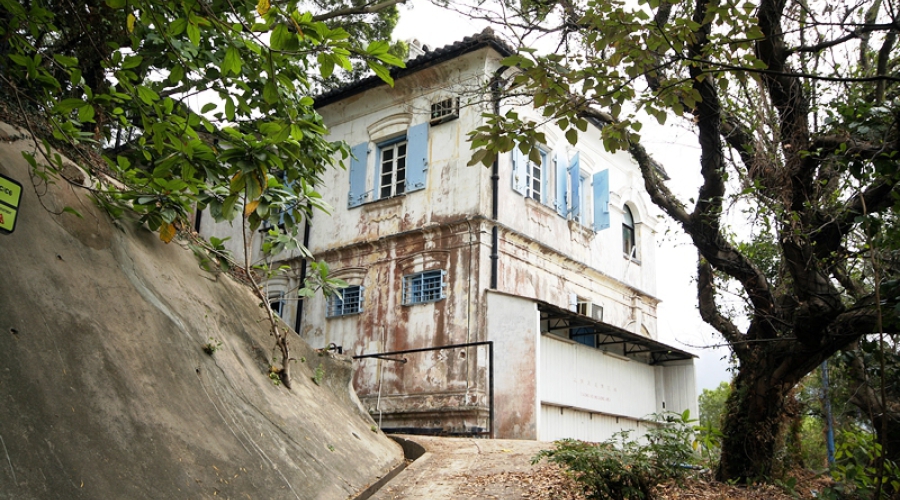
[{"x": 628, "y": 243}]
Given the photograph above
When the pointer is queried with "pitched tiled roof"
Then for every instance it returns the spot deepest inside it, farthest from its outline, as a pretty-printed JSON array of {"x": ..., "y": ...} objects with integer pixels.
[{"x": 486, "y": 38}]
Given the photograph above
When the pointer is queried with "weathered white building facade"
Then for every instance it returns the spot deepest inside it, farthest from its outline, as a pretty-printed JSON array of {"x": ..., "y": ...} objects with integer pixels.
[{"x": 542, "y": 275}]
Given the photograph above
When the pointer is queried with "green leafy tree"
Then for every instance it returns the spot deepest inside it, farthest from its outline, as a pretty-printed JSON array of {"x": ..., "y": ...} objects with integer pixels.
[
  {"x": 109, "y": 83},
  {"x": 795, "y": 109},
  {"x": 711, "y": 404}
]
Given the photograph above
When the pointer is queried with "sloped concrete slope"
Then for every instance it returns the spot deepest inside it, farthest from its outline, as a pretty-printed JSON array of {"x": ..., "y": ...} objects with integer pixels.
[{"x": 106, "y": 392}]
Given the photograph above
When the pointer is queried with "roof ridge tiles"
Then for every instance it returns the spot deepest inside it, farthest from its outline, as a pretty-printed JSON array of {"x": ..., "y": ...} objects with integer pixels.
[{"x": 486, "y": 38}]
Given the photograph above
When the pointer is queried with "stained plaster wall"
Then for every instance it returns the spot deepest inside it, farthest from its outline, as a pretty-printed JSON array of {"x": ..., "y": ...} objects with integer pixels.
[
  {"x": 558, "y": 258},
  {"x": 542, "y": 255},
  {"x": 513, "y": 324},
  {"x": 427, "y": 388}
]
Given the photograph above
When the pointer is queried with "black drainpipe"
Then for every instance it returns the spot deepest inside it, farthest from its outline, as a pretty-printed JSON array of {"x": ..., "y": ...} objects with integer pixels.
[
  {"x": 299, "y": 317},
  {"x": 495, "y": 184}
]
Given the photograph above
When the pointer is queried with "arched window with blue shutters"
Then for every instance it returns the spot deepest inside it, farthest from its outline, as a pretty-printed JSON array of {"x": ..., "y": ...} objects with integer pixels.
[
  {"x": 417, "y": 157},
  {"x": 601, "y": 200},
  {"x": 359, "y": 156}
]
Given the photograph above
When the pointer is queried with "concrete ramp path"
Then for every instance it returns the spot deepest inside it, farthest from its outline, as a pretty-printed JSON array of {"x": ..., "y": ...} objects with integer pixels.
[{"x": 466, "y": 468}]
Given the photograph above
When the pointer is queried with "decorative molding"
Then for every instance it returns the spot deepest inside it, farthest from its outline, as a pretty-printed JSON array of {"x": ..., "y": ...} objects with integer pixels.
[{"x": 389, "y": 126}]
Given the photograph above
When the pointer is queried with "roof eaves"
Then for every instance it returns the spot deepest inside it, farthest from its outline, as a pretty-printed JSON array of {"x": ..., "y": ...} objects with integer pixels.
[{"x": 486, "y": 38}]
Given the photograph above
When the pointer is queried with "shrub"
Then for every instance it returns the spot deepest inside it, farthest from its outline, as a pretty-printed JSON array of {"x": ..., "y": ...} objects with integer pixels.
[
  {"x": 622, "y": 467},
  {"x": 855, "y": 470}
]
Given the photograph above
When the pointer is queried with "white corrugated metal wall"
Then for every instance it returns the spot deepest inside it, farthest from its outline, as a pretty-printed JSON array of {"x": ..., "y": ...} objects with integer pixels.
[
  {"x": 559, "y": 423},
  {"x": 590, "y": 395},
  {"x": 582, "y": 389},
  {"x": 677, "y": 386},
  {"x": 573, "y": 375}
]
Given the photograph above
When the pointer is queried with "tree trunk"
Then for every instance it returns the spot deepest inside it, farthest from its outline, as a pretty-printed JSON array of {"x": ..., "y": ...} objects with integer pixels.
[{"x": 753, "y": 428}]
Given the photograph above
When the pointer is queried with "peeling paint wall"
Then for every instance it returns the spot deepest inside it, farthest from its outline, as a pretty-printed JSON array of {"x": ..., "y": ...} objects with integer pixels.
[
  {"x": 446, "y": 225},
  {"x": 543, "y": 256},
  {"x": 513, "y": 324},
  {"x": 443, "y": 389}
]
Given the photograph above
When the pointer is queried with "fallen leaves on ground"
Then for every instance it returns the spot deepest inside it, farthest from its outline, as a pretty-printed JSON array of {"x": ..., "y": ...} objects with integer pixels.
[
  {"x": 549, "y": 482},
  {"x": 543, "y": 482}
]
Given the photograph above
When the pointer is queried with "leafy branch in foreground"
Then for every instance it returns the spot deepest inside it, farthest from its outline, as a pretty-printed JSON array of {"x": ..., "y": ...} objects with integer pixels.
[{"x": 190, "y": 105}]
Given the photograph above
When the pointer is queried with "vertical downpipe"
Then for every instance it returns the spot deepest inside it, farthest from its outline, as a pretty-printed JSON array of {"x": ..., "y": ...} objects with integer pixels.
[
  {"x": 495, "y": 239},
  {"x": 495, "y": 183},
  {"x": 299, "y": 317}
]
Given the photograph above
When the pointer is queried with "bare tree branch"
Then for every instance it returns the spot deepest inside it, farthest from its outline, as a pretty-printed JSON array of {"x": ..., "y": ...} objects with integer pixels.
[
  {"x": 709, "y": 310},
  {"x": 364, "y": 9}
]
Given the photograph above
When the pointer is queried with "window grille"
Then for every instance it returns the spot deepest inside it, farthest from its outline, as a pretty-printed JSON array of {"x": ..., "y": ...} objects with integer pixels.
[
  {"x": 444, "y": 111},
  {"x": 424, "y": 287},
  {"x": 345, "y": 302}
]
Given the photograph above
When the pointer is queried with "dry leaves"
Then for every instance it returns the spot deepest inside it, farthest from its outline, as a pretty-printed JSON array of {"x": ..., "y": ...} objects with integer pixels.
[
  {"x": 543, "y": 482},
  {"x": 549, "y": 482}
]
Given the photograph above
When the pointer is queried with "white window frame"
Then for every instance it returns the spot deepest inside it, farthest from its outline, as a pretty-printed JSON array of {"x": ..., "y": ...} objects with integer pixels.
[
  {"x": 581, "y": 216},
  {"x": 345, "y": 302},
  {"x": 424, "y": 287},
  {"x": 394, "y": 183},
  {"x": 530, "y": 169}
]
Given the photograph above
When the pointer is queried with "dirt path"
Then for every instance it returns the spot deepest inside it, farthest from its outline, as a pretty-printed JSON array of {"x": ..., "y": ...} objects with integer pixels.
[
  {"x": 464, "y": 468},
  {"x": 454, "y": 468}
]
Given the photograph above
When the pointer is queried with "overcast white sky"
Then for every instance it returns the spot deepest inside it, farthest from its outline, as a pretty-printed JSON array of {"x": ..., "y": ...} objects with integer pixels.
[{"x": 679, "y": 322}]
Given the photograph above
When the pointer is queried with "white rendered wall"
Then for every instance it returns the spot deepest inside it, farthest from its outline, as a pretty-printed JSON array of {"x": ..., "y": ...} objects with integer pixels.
[{"x": 513, "y": 324}]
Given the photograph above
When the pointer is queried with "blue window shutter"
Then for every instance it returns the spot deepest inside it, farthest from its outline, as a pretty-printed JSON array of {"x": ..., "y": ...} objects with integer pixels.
[
  {"x": 561, "y": 185},
  {"x": 417, "y": 157},
  {"x": 358, "y": 160},
  {"x": 362, "y": 298},
  {"x": 601, "y": 200},
  {"x": 575, "y": 182},
  {"x": 519, "y": 179}
]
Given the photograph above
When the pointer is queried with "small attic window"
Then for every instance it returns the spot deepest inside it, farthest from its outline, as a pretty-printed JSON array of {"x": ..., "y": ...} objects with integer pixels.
[{"x": 444, "y": 111}]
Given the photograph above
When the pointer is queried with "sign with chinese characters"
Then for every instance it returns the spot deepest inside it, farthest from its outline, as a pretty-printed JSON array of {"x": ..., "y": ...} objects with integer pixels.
[{"x": 10, "y": 196}]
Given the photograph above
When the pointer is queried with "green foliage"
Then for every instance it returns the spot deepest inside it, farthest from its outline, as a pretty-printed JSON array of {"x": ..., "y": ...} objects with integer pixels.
[
  {"x": 212, "y": 346},
  {"x": 318, "y": 375},
  {"x": 275, "y": 374},
  {"x": 712, "y": 404},
  {"x": 118, "y": 76},
  {"x": 212, "y": 255},
  {"x": 192, "y": 105},
  {"x": 622, "y": 467},
  {"x": 855, "y": 467}
]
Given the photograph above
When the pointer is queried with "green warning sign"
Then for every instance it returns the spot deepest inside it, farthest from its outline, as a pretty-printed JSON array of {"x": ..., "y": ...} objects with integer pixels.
[{"x": 10, "y": 196}]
